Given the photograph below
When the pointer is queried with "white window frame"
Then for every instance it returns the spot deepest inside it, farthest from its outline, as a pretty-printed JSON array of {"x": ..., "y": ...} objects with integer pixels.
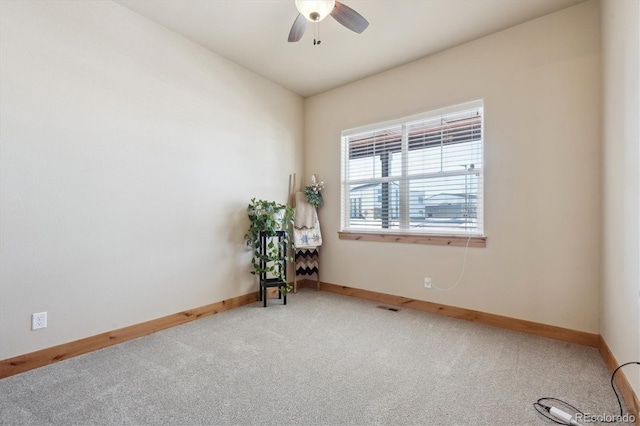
[{"x": 405, "y": 229}]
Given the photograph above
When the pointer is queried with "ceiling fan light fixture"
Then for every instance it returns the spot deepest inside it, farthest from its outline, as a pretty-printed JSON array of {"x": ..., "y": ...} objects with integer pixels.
[{"x": 315, "y": 10}]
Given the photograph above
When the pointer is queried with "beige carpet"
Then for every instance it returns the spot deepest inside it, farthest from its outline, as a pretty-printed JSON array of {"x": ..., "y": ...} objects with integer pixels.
[{"x": 322, "y": 359}]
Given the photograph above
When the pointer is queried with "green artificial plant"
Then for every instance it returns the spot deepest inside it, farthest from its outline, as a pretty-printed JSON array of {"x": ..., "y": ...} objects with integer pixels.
[
  {"x": 313, "y": 192},
  {"x": 268, "y": 217}
]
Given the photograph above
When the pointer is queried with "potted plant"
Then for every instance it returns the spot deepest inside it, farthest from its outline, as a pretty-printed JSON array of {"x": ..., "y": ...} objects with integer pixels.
[{"x": 267, "y": 218}]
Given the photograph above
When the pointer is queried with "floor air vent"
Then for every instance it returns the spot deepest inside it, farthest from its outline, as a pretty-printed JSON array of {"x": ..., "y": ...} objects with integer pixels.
[{"x": 388, "y": 308}]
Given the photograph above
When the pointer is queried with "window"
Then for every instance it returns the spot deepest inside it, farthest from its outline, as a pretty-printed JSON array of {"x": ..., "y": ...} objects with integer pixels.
[{"x": 417, "y": 175}]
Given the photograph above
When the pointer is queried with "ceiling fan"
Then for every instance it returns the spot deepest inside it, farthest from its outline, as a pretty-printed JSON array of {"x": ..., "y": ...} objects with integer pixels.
[{"x": 317, "y": 10}]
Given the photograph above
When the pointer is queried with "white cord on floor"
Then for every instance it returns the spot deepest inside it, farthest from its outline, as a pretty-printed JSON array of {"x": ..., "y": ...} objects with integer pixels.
[{"x": 464, "y": 263}]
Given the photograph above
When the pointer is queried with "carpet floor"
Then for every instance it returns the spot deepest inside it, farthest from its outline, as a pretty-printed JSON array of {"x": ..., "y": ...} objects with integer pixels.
[{"x": 321, "y": 359}]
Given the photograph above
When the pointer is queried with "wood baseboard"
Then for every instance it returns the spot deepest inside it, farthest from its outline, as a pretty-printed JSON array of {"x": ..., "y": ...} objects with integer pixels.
[
  {"x": 307, "y": 283},
  {"x": 529, "y": 327},
  {"x": 626, "y": 391},
  {"x": 26, "y": 362}
]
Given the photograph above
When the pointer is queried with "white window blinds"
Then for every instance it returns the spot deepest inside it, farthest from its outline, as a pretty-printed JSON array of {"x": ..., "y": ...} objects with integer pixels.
[{"x": 418, "y": 174}]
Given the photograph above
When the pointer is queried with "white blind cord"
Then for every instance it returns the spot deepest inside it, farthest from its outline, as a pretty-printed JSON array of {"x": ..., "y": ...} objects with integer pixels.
[{"x": 464, "y": 264}]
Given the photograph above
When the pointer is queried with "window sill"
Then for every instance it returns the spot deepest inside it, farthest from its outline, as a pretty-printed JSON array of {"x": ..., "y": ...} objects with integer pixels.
[{"x": 431, "y": 239}]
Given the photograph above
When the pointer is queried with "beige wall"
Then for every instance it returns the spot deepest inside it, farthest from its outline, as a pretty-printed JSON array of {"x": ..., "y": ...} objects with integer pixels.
[
  {"x": 540, "y": 82},
  {"x": 620, "y": 317},
  {"x": 129, "y": 155}
]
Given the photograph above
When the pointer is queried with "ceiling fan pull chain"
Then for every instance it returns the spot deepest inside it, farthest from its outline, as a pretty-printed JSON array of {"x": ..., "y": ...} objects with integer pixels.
[{"x": 315, "y": 33}]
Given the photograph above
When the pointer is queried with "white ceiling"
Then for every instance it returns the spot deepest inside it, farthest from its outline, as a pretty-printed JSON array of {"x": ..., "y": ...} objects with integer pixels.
[{"x": 253, "y": 33}]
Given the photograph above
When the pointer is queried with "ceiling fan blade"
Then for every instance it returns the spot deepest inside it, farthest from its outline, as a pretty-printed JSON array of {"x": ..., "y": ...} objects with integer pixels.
[
  {"x": 298, "y": 28},
  {"x": 349, "y": 18}
]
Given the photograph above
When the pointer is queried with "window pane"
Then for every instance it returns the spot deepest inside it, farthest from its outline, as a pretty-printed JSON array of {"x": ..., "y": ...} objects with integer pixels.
[
  {"x": 425, "y": 160},
  {"x": 444, "y": 204},
  {"x": 375, "y": 154},
  {"x": 461, "y": 156},
  {"x": 374, "y": 205},
  {"x": 445, "y": 143},
  {"x": 448, "y": 158}
]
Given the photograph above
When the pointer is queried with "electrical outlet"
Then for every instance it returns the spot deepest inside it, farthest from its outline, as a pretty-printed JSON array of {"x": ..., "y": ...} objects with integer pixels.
[
  {"x": 427, "y": 282},
  {"x": 39, "y": 321}
]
